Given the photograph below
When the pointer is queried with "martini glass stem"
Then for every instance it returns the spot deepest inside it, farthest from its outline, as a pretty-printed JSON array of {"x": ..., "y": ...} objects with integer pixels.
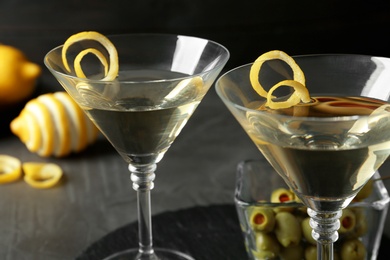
[
  {"x": 142, "y": 177},
  {"x": 325, "y": 226}
]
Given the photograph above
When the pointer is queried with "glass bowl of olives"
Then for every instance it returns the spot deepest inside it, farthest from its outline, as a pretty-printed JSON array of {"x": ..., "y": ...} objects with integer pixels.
[{"x": 275, "y": 225}]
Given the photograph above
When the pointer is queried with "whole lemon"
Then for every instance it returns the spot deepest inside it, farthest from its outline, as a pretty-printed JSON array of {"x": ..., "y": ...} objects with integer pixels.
[{"x": 18, "y": 75}]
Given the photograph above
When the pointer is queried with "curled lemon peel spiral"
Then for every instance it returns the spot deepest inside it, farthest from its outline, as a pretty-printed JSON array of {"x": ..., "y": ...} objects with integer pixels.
[
  {"x": 10, "y": 169},
  {"x": 111, "y": 70},
  {"x": 37, "y": 175},
  {"x": 77, "y": 61},
  {"x": 298, "y": 83},
  {"x": 42, "y": 175},
  {"x": 300, "y": 93}
]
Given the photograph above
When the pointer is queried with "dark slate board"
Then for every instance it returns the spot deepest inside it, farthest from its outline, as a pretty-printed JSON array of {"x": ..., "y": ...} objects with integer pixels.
[{"x": 206, "y": 233}]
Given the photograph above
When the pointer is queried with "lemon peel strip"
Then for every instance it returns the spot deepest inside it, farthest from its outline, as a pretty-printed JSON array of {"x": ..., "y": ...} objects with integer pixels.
[
  {"x": 298, "y": 83},
  {"x": 300, "y": 93},
  {"x": 272, "y": 55},
  {"x": 104, "y": 41},
  {"x": 77, "y": 61},
  {"x": 42, "y": 175},
  {"x": 10, "y": 169}
]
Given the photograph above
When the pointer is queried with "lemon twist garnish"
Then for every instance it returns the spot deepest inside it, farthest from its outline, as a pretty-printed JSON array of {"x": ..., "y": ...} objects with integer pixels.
[
  {"x": 42, "y": 175},
  {"x": 10, "y": 169},
  {"x": 298, "y": 83},
  {"x": 110, "y": 72},
  {"x": 300, "y": 93},
  {"x": 77, "y": 61}
]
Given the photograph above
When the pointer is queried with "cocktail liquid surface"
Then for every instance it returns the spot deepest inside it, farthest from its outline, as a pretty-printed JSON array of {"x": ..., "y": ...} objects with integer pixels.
[
  {"x": 140, "y": 120},
  {"x": 329, "y": 156}
]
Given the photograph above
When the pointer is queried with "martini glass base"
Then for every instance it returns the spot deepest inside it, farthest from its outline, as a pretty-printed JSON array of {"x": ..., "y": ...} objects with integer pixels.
[{"x": 160, "y": 254}]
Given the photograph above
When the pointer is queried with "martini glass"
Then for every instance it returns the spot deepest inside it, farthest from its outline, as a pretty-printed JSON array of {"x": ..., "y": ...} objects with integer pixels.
[
  {"x": 324, "y": 158},
  {"x": 161, "y": 81}
]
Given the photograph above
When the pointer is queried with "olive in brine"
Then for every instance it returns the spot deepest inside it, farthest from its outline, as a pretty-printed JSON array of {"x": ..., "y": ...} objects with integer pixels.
[
  {"x": 310, "y": 252},
  {"x": 361, "y": 227},
  {"x": 262, "y": 219},
  {"x": 306, "y": 231},
  {"x": 291, "y": 253},
  {"x": 264, "y": 255},
  {"x": 287, "y": 229},
  {"x": 282, "y": 195},
  {"x": 347, "y": 221},
  {"x": 353, "y": 249},
  {"x": 266, "y": 244}
]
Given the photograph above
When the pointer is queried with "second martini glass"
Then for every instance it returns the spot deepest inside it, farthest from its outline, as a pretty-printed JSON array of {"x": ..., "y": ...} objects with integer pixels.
[
  {"x": 161, "y": 81},
  {"x": 328, "y": 149}
]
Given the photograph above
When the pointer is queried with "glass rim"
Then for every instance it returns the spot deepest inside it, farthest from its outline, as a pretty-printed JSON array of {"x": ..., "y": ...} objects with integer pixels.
[
  {"x": 110, "y": 36},
  {"x": 320, "y": 119}
]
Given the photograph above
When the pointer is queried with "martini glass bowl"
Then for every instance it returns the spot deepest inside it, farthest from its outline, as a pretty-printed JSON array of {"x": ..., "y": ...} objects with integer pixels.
[
  {"x": 327, "y": 159},
  {"x": 161, "y": 81}
]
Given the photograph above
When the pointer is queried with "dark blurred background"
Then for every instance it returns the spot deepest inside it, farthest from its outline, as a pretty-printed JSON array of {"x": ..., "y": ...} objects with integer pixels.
[{"x": 247, "y": 27}]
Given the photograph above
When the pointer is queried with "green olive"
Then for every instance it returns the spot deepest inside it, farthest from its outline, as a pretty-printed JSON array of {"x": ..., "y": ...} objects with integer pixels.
[
  {"x": 287, "y": 229},
  {"x": 292, "y": 253},
  {"x": 311, "y": 252},
  {"x": 347, "y": 221},
  {"x": 299, "y": 216},
  {"x": 365, "y": 191},
  {"x": 306, "y": 231},
  {"x": 262, "y": 219},
  {"x": 361, "y": 227},
  {"x": 264, "y": 255},
  {"x": 266, "y": 244},
  {"x": 282, "y": 195},
  {"x": 353, "y": 249}
]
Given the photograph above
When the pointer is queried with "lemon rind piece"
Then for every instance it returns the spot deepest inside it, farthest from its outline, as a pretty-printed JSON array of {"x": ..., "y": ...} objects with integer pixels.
[
  {"x": 77, "y": 61},
  {"x": 272, "y": 55},
  {"x": 104, "y": 41},
  {"x": 77, "y": 123},
  {"x": 59, "y": 119},
  {"x": 300, "y": 93},
  {"x": 10, "y": 168},
  {"x": 298, "y": 83},
  {"x": 44, "y": 120},
  {"x": 42, "y": 175}
]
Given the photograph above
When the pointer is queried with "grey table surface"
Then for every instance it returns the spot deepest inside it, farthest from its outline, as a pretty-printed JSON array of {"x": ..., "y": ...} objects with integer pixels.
[{"x": 96, "y": 197}]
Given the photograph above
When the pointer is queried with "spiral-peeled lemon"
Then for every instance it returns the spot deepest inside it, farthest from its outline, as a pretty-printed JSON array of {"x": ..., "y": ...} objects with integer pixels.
[
  {"x": 54, "y": 125},
  {"x": 18, "y": 75}
]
